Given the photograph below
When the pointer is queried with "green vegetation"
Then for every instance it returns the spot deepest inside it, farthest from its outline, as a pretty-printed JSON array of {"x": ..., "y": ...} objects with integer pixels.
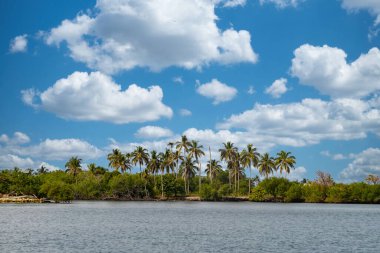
[{"x": 176, "y": 173}]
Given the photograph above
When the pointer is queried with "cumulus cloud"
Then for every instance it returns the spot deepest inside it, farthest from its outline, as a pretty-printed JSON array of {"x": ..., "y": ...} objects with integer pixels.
[
  {"x": 9, "y": 161},
  {"x": 333, "y": 156},
  {"x": 124, "y": 34},
  {"x": 365, "y": 163},
  {"x": 178, "y": 79},
  {"x": 326, "y": 69},
  {"x": 296, "y": 174},
  {"x": 234, "y": 3},
  {"x": 309, "y": 121},
  {"x": 373, "y": 6},
  {"x": 251, "y": 90},
  {"x": 278, "y": 88},
  {"x": 96, "y": 97},
  {"x": 282, "y": 3},
  {"x": 217, "y": 91},
  {"x": 153, "y": 132},
  {"x": 19, "y": 44},
  {"x": 17, "y": 138},
  {"x": 185, "y": 112}
]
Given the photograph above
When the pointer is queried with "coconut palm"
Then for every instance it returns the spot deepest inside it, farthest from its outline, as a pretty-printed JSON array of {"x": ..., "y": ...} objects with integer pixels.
[
  {"x": 91, "y": 168},
  {"x": 168, "y": 164},
  {"x": 183, "y": 145},
  {"x": 187, "y": 170},
  {"x": 153, "y": 165},
  {"x": 125, "y": 162},
  {"x": 249, "y": 157},
  {"x": 228, "y": 154},
  {"x": 177, "y": 156},
  {"x": 266, "y": 165},
  {"x": 114, "y": 159},
  {"x": 213, "y": 169},
  {"x": 73, "y": 166},
  {"x": 195, "y": 151},
  {"x": 42, "y": 170},
  {"x": 140, "y": 156},
  {"x": 285, "y": 161}
]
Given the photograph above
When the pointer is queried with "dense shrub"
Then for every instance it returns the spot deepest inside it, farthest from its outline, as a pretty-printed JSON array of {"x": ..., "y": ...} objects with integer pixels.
[{"x": 209, "y": 193}]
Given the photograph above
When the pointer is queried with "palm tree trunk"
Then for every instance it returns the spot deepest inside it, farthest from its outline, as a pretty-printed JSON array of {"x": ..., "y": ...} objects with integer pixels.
[
  {"x": 162, "y": 185},
  {"x": 209, "y": 150},
  {"x": 200, "y": 180},
  {"x": 140, "y": 171},
  {"x": 250, "y": 175},
  {"x": 238, "y": 188}
]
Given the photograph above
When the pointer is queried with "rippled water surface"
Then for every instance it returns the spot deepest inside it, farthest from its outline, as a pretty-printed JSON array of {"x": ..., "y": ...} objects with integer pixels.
[{"x": 189, "y": 227}]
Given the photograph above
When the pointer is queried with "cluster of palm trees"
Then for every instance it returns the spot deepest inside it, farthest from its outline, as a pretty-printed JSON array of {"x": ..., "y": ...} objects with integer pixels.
[{"x": 184, "y": 158}]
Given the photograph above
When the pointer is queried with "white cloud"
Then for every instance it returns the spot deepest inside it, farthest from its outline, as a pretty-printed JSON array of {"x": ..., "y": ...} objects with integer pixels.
[
  {"x": 373, "y": 6},
  {"x": 365, "y": 163},
  {"x": 19, "y": 44},
  {"x": 9, "y": 161},
  {"x": 185, "y": 112},
  {"x": 50, "y": 167},
  {"x": 178, "y": 79},
  {"x": 217, "y": 91},
  {"x": 309, "y": 121},
  {"x": 96, "y": 97},
  {"x": 18, "y": 138},
  {"x": 234, "y": 3},
  {"x": 125, "y": 34},
  {"x": 282, "y": 3},
  {"x": 296, "y": 174},
  {"x": 251, "y": 90},
  {"x": 326, "y": 69},
  {"x": 153, "y": 132},
  {"x": 334, "y": 156},
  {"x": 278, "y": 88},
  {"x": 60, "y": 149}
]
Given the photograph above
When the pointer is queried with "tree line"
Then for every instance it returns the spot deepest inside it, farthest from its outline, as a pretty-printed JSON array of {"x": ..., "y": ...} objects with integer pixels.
[{"x": 177, "y": 172}]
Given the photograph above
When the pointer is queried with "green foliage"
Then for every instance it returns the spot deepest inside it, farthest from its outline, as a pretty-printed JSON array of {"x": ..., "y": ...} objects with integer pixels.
[
  {"x": 276, "y": 187},
  {"x": 172, "y": 186},
  {"x": 294, "y": 193},
  {"x": 224, "y": 190},
  {"x": 209, "y": 193},
  {"x": 314, "y": 193},
  {"x": 58, "y": 191},
  {"x": 259, "y": 194}
]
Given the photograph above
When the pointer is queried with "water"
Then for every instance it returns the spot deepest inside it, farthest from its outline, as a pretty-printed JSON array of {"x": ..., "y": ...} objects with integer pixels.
[{"x": 189, "y": 227}]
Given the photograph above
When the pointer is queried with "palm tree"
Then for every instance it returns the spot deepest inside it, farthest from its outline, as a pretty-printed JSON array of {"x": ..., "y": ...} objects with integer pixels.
[
  {"x": 177, "y": 156},
  {"x": 91, "y": 168},
  {"x": 213, "y": 169},
  {"x": 228, "y": 153},
  {"x": 168, "y": 163},
  {"x": 285, "y": 161},
  {"x": 140, "y": 155},
  {"x": 183, "y": 145},
  {"x": 266, "y": 165},
  {"x": 125, "y": 162},
  {"x": 249, "y": 158},
  {"x": 114, "y": 159},
  {"x": 42, "y": 170},
  {"x": 153, "y": 165},
  {"x": 73, "y": 166},
  {"x": 195, "y": 151},
  {"x": 188, "y": 169}
]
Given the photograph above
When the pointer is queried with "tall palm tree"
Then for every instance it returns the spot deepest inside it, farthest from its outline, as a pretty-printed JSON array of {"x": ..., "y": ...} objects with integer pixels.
[
  {"x": 114, "y": 159},
  {"x": 42, "y": 170},
  {"x": 140, "y": 155},
  {"x": 153, "y": 165},
  {"x": 177, "y": 156},
  {"x": 168, "y": 164},
  {"x": 284, "y": 161},
  {"x": 91, "y": 168},
  {"x": 195, "y": 151},
  {"x": 125, "y": 162},
  {"x": 228, "y": 153},
  {"x": 266, "y": 165},
  {"x": 250, "y": 157},
  {"x": 183, "y": 145},
  {"x": 73, "y": 166},
  {"x": 188, "y": 169},
  {"x": 213, "y": 169}
]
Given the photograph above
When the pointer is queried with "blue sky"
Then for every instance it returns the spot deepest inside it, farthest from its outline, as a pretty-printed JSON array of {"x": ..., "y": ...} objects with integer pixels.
[{"x": 83, "y": 77}]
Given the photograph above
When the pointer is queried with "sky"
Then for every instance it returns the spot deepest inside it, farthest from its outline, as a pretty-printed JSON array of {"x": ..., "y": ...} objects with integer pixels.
[{"x": 79, "y": 78}]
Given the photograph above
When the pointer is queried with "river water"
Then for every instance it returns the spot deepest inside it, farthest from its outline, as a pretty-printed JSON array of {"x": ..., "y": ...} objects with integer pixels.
[{"x": 102, "y": 226}]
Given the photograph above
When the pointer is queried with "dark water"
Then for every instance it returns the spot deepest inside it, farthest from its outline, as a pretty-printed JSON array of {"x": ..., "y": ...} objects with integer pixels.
[{"x": 188, "y": 227}]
